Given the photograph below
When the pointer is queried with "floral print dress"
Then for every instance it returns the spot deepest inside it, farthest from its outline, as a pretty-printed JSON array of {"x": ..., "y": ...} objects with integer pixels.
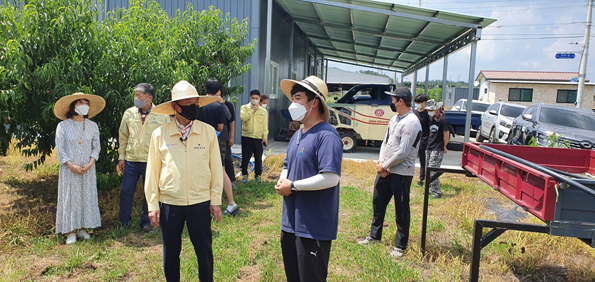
[{"x": 77, "y": 206}]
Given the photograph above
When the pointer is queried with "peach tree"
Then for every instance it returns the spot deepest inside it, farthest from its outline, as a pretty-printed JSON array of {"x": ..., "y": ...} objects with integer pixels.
[{"x": 49, "y": 49}]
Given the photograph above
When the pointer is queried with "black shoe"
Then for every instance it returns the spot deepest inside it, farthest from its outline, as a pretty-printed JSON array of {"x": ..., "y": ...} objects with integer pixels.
[
  {"x": 147, "y": 229},
  {"x": 420, "y": 183}
]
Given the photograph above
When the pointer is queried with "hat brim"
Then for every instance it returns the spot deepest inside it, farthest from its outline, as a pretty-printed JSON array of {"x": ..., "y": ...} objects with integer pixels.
[
  {"x": 166, "y": 108},
  {"x": 62, "y": 106},
  {"x": 287, "y": 85}
]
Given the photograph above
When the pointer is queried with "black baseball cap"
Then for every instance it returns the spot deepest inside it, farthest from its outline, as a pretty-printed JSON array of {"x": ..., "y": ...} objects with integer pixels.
[{"x": 402, "y": 93}]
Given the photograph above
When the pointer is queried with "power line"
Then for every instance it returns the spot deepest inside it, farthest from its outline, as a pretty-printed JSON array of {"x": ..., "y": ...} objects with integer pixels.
[
  {"x": 457, "y": 4},
  {"x": 520, "y": 9},
  {"x": 531, "y": 34},
  {"x": 536, "y": 25},
  {"x": 534, "y": 38},
  {"x": 491, "y": 1}
]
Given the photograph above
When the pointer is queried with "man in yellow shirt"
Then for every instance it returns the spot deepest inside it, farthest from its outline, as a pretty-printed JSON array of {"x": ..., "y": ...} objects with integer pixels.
[
  {"x": 136, "y": 127},
  {"x": 184, "y": 180},
  {"x": 255, "y": 129}
]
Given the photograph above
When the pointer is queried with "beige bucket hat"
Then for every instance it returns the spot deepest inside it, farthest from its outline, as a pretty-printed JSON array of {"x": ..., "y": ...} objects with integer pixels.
[
  {"x": 183, "y": 90},
  {"x": 312, "y": 83},
  {"x": 62, "y": 106}
]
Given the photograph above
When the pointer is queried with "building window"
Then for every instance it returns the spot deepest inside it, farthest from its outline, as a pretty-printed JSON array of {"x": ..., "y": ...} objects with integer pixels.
[
  {"x": 274, "y": 81},
  {"x": 520, "y": 94},
  {"x": 566, "y": 96}
]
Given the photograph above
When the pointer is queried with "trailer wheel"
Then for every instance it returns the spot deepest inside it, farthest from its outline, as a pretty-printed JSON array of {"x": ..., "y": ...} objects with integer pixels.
[
  {"x": 478, "y": 137},
  {"x": 349, "y": 141}
]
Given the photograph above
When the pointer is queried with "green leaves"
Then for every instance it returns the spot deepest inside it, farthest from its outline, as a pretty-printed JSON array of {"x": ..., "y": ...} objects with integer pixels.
[{"x": 50, "y": 49}]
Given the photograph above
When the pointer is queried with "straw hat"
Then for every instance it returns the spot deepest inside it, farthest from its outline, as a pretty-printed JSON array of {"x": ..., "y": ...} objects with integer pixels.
[
  {"x": 312, "y": 83},
  {"x": 183, "y": 90},
  {"x": 96, "y": 104}
]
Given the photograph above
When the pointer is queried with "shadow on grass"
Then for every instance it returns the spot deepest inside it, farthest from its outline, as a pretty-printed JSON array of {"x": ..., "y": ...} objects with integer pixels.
[
  {"x": 33, "y": 209},
  {"x": 30, "y": 211},
  {"x": 525, "y": 273}
]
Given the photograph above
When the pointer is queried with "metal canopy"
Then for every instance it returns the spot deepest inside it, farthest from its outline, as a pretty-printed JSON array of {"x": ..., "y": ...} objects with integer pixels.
[{"x": 384, "y": 35}]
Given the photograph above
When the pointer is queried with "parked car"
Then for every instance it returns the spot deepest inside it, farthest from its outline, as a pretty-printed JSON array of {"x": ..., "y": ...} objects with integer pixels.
[
  {"x": 576, "y": 126},
  {"x": 478, "y": 107},
  {"x": 496, "y": 122},
  {"x": 361, "y": 115}
]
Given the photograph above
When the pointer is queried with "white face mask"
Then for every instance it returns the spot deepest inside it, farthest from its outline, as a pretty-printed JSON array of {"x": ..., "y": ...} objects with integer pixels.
[
  {"x": 264, "y": 106},
  {"x": 254, "y": 101},
  {"x": 298, "y": 111},
  {"x": 431, "y": 113},
  {"x": 82, "y": 110},
  {"x": 417, "y": 106}
]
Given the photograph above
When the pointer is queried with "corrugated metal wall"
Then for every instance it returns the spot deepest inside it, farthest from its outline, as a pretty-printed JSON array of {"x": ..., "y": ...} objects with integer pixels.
[{"x": 281, "y": 30}]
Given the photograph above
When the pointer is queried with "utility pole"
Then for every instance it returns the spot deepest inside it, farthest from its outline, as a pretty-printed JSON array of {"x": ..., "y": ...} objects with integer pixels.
[{"x": 583, "y": 71}]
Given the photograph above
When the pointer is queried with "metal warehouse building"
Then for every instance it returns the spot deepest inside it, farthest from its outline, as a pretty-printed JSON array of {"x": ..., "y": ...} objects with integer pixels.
[{"x": 306, "y": 34}]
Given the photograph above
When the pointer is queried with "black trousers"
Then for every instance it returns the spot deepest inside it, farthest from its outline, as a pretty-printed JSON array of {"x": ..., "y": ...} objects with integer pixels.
[
  {"x": 229, "y": 169},
  {"x": 305, "y": 259},
  {"x": 421, "y": 153},
  {"x": 251, "y": 146},
  {"x": 384, "y": 189},
  {"x": 198, "y": 221}
]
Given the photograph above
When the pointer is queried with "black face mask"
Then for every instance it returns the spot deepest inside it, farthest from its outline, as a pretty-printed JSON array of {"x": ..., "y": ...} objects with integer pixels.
[
  {"x": 393, "y": 107},
  {"x": 189, "y": 112}
]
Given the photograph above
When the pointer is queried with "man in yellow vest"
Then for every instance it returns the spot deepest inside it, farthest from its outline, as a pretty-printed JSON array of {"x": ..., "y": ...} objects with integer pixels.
[
  {"x": 185, "y": 180},
  {"x": 255, "y": 129},
  {"x": 136, "y": 127}
]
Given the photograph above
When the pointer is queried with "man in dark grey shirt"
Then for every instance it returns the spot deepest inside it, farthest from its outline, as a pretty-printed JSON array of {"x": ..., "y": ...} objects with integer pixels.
[
  {"x": 395, "y": 168},
  {"x": 421, "y": 113}
]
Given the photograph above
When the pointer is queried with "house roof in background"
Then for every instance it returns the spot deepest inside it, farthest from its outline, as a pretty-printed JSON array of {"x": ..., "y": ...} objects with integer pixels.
[{"x": 527, "y": 75}]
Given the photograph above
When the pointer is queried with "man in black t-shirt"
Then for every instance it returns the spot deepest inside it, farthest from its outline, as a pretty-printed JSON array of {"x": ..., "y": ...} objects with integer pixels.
[
  {"x": 421, "y": 113},
  {"x": 229, "y": 168},
  {"x": 218, "y": 115},
  {"x": 439, "y": 137}
]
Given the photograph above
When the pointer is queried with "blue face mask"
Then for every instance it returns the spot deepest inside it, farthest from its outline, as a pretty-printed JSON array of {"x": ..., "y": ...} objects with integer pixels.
[{"x": 140, "y": 103}]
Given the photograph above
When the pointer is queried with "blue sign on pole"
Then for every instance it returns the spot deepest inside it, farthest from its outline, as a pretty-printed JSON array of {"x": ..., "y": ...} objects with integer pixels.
[{"x": 565, "y": 56}]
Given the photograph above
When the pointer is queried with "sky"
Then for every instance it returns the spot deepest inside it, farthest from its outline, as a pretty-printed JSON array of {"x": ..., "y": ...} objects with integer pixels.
[{"x": 526, "y": 37}]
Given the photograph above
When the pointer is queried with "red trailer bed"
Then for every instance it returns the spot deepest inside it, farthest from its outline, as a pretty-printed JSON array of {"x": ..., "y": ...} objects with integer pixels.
[{"x": 533, "y": 190}]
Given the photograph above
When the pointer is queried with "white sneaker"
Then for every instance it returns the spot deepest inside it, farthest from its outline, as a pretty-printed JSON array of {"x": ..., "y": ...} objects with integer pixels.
[
  {"x": 368, "y": 241},
  {"x": 83, "y": 234},
  {"x": 396, "y": 253},
  {"x": 71, "y": 239}
]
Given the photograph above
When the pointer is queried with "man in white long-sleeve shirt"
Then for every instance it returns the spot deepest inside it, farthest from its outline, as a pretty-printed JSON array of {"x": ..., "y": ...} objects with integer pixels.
[{"x": 395, "y": 168}]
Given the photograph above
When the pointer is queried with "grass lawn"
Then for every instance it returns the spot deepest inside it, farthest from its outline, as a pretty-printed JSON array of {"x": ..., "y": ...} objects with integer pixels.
[{"x": 246, "y": 248}]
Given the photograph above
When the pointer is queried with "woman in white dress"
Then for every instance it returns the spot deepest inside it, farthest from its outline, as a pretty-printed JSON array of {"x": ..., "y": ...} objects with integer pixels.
[{"x": 77, "y": 145}]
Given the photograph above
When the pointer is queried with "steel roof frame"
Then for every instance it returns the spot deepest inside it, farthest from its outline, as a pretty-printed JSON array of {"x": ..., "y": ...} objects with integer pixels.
[{"x": 392, "y": 13}]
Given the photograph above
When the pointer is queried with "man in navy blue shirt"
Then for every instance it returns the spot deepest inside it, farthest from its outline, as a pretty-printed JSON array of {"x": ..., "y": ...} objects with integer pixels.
[{"x": 309, "y": 183}]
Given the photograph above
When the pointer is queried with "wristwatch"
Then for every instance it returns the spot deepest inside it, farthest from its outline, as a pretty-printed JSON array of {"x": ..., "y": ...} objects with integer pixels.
[{"x": 293, "y": 189}]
